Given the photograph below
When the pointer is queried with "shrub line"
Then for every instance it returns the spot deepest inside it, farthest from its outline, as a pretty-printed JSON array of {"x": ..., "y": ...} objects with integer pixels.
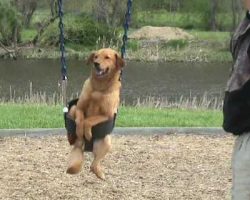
[{"x": 143, "y": 131}]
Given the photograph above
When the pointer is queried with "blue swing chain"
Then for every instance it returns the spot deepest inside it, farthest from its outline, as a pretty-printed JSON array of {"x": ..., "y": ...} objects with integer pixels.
[
  {"x": 125, "y": 35},
  {"x": 62, "y": 41},
  {"x": 63, "y": 59},
  {"x": 62, "y": 46},
  {"x": 126, "y": 27}
]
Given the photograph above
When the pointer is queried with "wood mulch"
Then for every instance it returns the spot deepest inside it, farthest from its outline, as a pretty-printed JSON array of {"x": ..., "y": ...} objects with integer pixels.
[{"x": 139, "y": 167}]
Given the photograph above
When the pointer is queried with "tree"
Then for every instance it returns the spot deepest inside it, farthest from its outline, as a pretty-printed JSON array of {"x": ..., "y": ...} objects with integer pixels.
[
  {"x": 101, "y": 10},
  {"x": 27, "y": 8},
  {"x": 10, "y": 27},
  {"x": 9, "y": 23},
  {"x": 110, "y": 12},
  {"x": 53, "y": 7},
  {"x": 214, "y": 9},
  {"x": 236, "y": 12}
]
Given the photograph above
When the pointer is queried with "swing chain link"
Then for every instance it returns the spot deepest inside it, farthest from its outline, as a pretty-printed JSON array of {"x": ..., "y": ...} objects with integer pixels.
[
  {"x": 63, "y": 59},
  {"x": 126, "y": 28},
  {"x": 125, "y": 35},
  {"x": 62, "y": 41}
]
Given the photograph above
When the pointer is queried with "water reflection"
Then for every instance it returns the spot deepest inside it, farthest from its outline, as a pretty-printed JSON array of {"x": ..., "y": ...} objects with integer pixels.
[{"x": 140, "y": 80}]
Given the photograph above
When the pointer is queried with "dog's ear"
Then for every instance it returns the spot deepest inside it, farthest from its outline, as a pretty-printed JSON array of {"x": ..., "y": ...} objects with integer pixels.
[
  {"x": 91, "y": 58},
  {"x": 119, "y": 61}
]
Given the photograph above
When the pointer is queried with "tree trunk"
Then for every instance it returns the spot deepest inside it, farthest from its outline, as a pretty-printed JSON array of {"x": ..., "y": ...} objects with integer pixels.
[
  {"x": 8, "y": 53},
  {"x": 53, "y": 7},
  {"x": 43, "y": 28},
  {"x": 116, "y": 12},
  {"x": 214, "y": 7},
  {"x": 101, "y": 11},
  {"x": 30, "y": 8},
  {"x": 234, "y": 15},
  {"x": 237, "y": 12},
  {"x": 27, "y": 8}
]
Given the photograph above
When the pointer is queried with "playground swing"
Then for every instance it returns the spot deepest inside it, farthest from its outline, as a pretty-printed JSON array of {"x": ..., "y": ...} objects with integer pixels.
[{"x": 102, "y": 129}]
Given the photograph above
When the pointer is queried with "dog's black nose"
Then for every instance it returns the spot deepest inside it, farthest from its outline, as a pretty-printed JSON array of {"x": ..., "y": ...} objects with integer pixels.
[{"x": 97, "y": 66}]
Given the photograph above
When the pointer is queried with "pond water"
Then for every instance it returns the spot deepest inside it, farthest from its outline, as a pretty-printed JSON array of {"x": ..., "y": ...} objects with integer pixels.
[{"x": 140, "y": 80}]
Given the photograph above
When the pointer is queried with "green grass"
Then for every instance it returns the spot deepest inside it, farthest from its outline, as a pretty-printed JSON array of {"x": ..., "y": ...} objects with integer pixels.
[
  {"x": 176, "y": 44},
  {"x": 165, "y": 18},
  {"x": 28, "y": 34},
  {"x": 39, "y": 16},
  {"x": 182, "y": 20},
  {"x": 30, "y": 116},
  {"x": 211, "y": 36},
  {"x": 153, "y": 117},
  {"x": 205, "y": 46},
  {"x": 44, "y": 116}
]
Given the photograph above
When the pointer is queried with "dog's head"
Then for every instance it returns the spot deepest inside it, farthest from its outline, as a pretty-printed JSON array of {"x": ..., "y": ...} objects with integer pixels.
[{"x": 106, "y": 63}]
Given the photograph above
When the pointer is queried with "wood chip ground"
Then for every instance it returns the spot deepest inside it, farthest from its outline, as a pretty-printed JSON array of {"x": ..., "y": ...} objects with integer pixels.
[{"x": 139, "y": 167}]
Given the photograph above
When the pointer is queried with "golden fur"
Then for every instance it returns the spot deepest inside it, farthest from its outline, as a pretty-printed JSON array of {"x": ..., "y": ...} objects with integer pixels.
[{"x": 98, "y": 102}]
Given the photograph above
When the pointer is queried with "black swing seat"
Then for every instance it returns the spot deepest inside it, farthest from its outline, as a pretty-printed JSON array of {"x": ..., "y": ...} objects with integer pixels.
[{"x": 99, "y": 131}]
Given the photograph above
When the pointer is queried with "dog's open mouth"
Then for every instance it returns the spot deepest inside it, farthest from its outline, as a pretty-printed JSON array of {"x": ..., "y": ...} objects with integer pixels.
[{"x": 101, "y": 72}]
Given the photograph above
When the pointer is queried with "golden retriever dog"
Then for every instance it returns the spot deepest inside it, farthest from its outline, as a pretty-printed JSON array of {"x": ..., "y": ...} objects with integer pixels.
[{"x": 98, "y": 102}]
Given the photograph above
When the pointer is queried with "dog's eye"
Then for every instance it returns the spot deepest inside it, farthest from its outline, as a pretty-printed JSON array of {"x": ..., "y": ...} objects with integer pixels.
[
  {"x": 107, "y": 57},
  {"x": 96, "y": 57}
]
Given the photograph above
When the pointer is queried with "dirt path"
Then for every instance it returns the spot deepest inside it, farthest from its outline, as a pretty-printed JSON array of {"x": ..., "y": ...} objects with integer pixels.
[{"x": 158, "y": 168}]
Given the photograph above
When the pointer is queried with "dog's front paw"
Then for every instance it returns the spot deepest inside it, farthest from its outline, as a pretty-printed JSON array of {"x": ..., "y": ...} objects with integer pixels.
[
  {"x": 88, "y": 133},
  {"x": 98, "y": 172}
]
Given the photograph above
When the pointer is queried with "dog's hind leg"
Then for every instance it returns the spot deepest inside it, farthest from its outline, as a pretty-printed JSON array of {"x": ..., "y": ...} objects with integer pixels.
[
  {"x": 76, "y": 155},
  {"x": 100, "y": 149}
]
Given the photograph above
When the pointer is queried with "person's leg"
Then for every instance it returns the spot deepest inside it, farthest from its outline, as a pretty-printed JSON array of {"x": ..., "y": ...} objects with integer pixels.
[{"x": 241, "y": 168}]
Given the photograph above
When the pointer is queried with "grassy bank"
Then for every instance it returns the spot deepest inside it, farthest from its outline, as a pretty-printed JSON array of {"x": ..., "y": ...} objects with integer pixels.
[
  {"x": 83, "y": 34},
  {"x": 203, "y": 47},
  {"x": 186, "y": 20},
  {"x": 44, "y": 116}
]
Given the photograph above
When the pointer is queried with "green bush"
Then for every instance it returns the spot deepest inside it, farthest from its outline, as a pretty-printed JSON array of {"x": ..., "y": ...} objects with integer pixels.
[
  {"x": 176, "y": 44},
  {"x": 134, "y": 45},
  {"x": 9, "y": 19},
  {"x": 81, "y": 30}
]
